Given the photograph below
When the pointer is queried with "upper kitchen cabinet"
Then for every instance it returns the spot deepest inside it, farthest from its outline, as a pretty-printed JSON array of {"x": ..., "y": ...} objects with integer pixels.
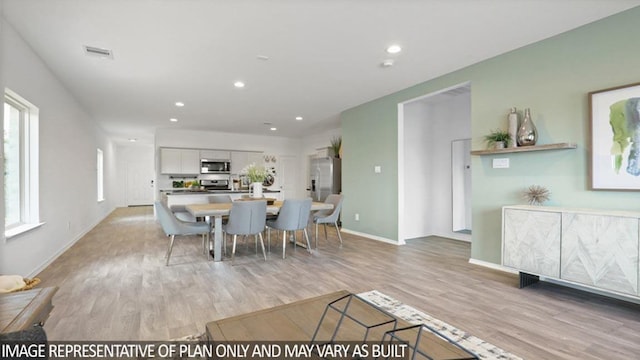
[
  {"x": 179, "y": 161},
  {"x": 241, "y": 159},
  {"x": 214, "y": 155}
]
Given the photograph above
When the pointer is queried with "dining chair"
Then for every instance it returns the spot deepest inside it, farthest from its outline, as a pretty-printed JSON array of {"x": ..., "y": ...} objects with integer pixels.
[
  {"x": 173, "y": 226},
  {"x": 292, "y": 216},
  {"x": 325, "y": 217},
  {"x": 181, "y": 213},
  {"x": 246, "y": 218}
]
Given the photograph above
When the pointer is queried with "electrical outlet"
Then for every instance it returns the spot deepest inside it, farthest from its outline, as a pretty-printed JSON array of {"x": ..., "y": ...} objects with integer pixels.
[
  {"x": 501, "y": 163},
  {"x": 357, "y": 217}
]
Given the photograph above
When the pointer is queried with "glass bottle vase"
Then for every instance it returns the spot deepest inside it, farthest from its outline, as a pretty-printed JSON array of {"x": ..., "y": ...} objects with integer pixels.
[{"x": 527, "y": 132}]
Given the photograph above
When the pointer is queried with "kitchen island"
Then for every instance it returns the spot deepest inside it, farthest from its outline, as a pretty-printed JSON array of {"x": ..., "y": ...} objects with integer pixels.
[{"x": 180, "y": 196}]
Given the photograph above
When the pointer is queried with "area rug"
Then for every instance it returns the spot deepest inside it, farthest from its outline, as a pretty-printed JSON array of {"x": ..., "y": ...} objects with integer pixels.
[{"x": 481, "y": 348}]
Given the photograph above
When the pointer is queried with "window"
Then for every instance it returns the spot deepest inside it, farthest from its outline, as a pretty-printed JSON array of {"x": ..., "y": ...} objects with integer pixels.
[
  {"x": 100, "y": 175},
  {"x": 20, "y": 164}
]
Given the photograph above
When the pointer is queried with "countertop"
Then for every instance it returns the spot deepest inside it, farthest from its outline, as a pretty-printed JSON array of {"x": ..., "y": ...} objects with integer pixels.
[{"x": 179, "y": 191}]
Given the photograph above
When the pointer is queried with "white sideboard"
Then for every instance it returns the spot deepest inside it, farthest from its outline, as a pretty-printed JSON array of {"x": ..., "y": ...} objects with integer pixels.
[{"x": 595, "y": 248}]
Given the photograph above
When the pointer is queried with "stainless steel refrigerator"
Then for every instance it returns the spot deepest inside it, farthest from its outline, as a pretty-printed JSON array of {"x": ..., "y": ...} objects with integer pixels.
[{"x": 326, "y": 177}]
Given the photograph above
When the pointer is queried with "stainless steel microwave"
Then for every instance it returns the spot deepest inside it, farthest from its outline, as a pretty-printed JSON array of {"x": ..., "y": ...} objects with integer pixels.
[{"x": 209, "y": 166}]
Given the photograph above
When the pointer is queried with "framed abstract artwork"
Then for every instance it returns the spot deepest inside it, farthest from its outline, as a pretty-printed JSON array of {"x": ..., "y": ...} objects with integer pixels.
[{"x": 615, "y": 138}]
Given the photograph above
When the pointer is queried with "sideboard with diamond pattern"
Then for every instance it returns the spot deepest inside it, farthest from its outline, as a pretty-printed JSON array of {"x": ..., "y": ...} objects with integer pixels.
[{"x": 596, "y": 248}]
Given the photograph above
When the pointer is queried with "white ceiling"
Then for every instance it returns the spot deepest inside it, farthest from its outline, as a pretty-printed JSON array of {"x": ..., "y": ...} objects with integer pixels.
[{"x": 324, "y": 56}]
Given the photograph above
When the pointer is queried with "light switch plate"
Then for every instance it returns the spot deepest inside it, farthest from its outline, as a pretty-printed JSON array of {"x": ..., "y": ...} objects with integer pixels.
[
  {"x": 502, "y": 163},
  {"x": 377, "y": 169}
]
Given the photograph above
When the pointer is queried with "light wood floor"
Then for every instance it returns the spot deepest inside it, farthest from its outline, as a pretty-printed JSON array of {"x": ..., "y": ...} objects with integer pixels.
[{"x": 114, "y": 286}]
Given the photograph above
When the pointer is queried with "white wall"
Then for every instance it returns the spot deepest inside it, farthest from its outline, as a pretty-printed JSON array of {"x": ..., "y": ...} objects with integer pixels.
[
  {"x": 4, "y": 257},
  {"x": 68, "y": 141},
  {"x": 451, "y": 121},
  {"x": 429, "y": 128},
  {"x": 418, "y": 168}
]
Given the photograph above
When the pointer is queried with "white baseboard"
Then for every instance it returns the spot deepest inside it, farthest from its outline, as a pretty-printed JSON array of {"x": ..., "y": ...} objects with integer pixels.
[
  {"x": 454, "y": 236},
  {"x": 491, "y": 265},
  {"x": 66, "y": 247},
  {"x": 372, "y": 237}
]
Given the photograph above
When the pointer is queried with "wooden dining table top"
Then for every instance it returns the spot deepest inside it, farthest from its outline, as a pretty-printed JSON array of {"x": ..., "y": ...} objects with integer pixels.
[{"x": 222, "y": 209}]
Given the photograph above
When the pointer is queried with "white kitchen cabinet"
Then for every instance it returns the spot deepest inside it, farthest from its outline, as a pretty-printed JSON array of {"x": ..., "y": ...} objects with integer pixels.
[
  {"x": 531, "y": 241},
  {"x": 241, "y": 159},
  {"x": 179, "y": 161},
  {"x": 595, "y": 248},
  {"x": 600, "y": 251},
  {"x": 215, "y": 154},
  {"x": 255, "y": 158},
  {"x": 170, "y": 161}
]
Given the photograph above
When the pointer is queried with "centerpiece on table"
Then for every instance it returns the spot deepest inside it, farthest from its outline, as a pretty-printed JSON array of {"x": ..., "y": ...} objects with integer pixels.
[{"x": 256, "y": 175}]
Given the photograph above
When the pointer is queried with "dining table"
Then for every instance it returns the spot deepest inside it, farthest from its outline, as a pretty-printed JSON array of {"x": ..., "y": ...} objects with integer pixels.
[{"x": 218, "y": 210}]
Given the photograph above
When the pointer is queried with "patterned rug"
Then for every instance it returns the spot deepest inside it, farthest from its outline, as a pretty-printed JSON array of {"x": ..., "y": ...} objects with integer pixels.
[{"x": 481, "y": 348}]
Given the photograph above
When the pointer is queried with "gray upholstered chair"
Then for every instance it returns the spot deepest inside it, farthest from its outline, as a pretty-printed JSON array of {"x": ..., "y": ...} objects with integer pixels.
[
  {"x": 293, "y": 215},
  {"x": 173, "y": 226},
  {"x": 181, "y": 213},
  {"x": 325, "y": 217},
  {"x": 246, "y": 218}
]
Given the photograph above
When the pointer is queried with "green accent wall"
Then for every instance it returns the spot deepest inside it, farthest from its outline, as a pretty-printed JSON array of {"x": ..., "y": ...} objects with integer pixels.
[{"x": 552, "y": 77}]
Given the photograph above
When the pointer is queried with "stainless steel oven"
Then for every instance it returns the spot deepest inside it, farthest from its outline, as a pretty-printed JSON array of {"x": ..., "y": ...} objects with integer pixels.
[
  {"x": 215, "y": 184},
  {"x": 211, "y": 166}
]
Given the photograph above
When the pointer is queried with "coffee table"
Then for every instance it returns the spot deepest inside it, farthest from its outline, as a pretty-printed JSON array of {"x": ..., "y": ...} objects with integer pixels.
[{"x": 298, "y": 321}]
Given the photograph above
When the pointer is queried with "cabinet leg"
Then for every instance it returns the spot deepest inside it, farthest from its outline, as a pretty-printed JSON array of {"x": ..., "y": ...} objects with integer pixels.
[{"x": 528, "y": 279}]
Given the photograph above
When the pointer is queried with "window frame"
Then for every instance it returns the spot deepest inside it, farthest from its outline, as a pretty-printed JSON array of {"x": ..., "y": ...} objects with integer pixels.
[
  {"x": 100, "y": 174},
  {"x": 29, "y": 164}
]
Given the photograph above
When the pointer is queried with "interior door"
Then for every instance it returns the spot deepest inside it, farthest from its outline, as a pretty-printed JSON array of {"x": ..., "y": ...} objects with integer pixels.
[
  {"x": 139, "y": 183},
  {"x": 461, "y": 184},
  {"x": 288, "y": 176}
]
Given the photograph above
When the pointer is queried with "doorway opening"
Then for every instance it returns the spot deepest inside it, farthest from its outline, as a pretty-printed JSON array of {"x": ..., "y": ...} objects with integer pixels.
[{"x": 434, "y": 195}]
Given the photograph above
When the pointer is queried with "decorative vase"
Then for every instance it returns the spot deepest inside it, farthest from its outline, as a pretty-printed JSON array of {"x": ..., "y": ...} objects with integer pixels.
[
  {"x": 256, "y": 189},
  {"x": 513, "y": 127},
  {"x": 527, "y": 133}
]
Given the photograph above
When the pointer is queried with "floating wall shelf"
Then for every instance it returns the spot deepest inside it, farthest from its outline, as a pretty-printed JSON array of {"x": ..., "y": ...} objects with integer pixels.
[{"x": 559, "y": 146}]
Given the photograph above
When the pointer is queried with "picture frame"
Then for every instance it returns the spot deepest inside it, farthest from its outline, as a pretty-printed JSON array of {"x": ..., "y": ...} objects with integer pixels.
[{"x": 615, "y": 138}]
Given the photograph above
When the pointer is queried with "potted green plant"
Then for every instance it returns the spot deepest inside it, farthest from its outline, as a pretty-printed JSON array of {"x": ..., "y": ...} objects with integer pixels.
[
  {"x": 256, "y": 175},
  {"x": 498, "y": 139},
  {"x": 336, "y": 144}
]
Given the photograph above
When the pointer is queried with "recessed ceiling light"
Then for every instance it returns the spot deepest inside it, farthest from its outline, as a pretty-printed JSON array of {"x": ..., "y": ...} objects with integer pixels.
[
  {"x": 387, "y": 63},
  {"x": 262, "y": 57},
  {"x": 238, "y": 84},
  {"x": 133, "y": 139},
  {"x": 394, "y": 49},
  {"x": 179, "y": 104},
  {"x": 274, "y": 129},
  {"x": 298, "y": 118},
  {"x": 173, "y": 120}
]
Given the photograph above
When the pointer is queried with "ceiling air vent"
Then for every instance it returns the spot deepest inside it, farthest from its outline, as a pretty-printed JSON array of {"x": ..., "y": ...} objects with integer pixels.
[{"x": 95, "y": 51}]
